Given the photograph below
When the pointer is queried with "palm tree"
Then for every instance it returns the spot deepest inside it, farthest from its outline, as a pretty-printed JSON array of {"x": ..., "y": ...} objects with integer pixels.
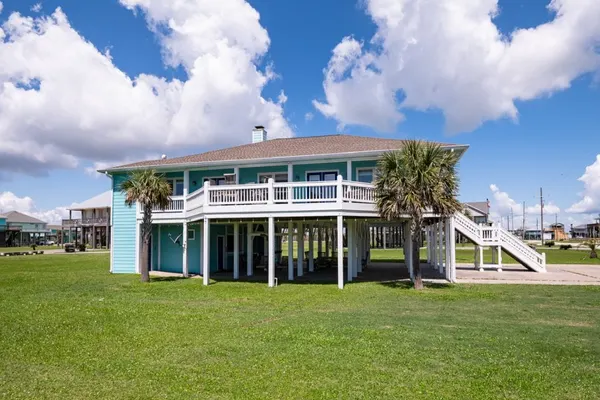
[
  {"x": 592, "y": 244},
  {"x": 151, "y": 190},
  {"x": 418, "y": 178}
]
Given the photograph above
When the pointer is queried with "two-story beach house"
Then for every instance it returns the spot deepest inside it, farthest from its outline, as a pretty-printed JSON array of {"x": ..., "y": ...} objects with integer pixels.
[{"x": 234, "y": 210}]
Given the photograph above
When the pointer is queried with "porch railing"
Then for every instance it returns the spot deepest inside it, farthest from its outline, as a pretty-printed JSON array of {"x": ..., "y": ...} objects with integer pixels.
[{"x": 338, "y": 191}]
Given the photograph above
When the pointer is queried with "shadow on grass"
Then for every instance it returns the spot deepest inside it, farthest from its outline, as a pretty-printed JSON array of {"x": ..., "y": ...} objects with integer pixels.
[
  {"x": 167, "y": 278},
  {"x": 405, "y": 284}
]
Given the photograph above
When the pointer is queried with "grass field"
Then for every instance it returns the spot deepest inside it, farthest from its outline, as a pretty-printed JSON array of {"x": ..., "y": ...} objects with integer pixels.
[
  {"x": 26, "y": 248},
  {"x": 70, "y": 330}
]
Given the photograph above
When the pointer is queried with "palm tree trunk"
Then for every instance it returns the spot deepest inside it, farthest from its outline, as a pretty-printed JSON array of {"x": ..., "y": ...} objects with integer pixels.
[
  {"x": 145, "y": 274},
  {"x": 416, "y": 255}
]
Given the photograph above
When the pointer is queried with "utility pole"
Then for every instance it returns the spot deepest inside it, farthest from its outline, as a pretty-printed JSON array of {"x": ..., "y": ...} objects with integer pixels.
[
  {"x": 523, "y": 231},
  {"x": 542, "y": 215},
  {"x": 512, "y": 219}
]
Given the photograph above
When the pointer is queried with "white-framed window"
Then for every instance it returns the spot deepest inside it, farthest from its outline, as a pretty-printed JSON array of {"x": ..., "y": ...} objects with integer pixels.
[
  {"x": 277, "y": 177},
  {"x": 176, "y": 186},
  {"x": 215, "y": 180},
  {"x": 320, "y": 176},
  {"x": 365, "y": 175},
  {"x": 191, "y": 234}
]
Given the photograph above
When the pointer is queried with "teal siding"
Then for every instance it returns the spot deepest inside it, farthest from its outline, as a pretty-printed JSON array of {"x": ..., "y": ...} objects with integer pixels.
[
  {"x": 2, "y": 223},
  {"x": 194, "y": 256},
  {"x": 155, "y": 242},
  {"x": 215, "y": 231},
  {"x": 124, "y": 227},
  {"x": 250, "y": 175},
  {"x": 171, "y": 253},
  {"x": 362, "y": 164},
  {"x": 301, "y": 170},
  {"x": 197, "y": 177}
]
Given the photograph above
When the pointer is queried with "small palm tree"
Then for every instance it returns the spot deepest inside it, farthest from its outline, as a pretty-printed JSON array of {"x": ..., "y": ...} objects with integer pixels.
[
  {"x": 592, "y": 244},
  {"x": 418, "y": 178},
  {"x": 151, "y": 190}
]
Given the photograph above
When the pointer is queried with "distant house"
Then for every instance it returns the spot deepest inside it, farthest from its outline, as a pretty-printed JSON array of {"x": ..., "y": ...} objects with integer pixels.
[
  {"x": 479, "y": 211},
  {"x": 579, "y": 231},
  {"x": 18, "y": 229},
  {"x": 593, "y": 230},
  {"x": 93, "y": 228},
  {"x": 558, "y": 232}
]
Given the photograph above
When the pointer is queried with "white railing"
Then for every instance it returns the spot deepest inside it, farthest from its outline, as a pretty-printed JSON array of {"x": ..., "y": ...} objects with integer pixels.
[
  {"x": 338, "y": 191},
  {"x": 195, "y": 202},
  {"x": 175, "y": 205},
  {"x": 497, "y": 236},
  {"x": 358, "y": 192}
]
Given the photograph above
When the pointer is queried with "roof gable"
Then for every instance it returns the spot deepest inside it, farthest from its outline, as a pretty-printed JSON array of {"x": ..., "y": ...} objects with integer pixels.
[
  {"x": 103, "y": 200},
  {"x": 17, "y": 217}
]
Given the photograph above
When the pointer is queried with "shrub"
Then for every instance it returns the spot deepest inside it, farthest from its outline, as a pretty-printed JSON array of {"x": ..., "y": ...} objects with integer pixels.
[
  {"x": 81, "y": 247},
  {"x": 550, "y": 243},
  {"x": 565, "y": 246}
]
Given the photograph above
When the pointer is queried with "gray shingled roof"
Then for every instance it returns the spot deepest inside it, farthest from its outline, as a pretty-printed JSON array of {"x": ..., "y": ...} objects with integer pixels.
[
  {"x": 480, "y": 205},
  {"x": 17, "y": 217},
  {"x": 103, "y": 200},
  {"x": 285, "y": 147}
]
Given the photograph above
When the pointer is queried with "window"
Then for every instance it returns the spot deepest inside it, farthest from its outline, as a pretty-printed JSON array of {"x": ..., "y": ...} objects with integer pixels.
[
  {"x": 191, "y": 234},
  {"x": 321, "y": 176},
  {"x": 277, "y": 177},
  {"x": 365, "y": 175},
  {"x": 216, "y": 180},
  {"x": 176, "y": 186}
]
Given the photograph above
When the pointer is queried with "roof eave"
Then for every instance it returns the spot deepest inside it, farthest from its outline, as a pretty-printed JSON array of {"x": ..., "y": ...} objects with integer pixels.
[{"x": 271, "y": 160}]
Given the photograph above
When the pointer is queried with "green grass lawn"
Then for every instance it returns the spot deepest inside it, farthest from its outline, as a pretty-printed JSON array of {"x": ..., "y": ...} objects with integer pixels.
[
  {"x": 70, "y": 330},
  {"x": 26, "y": 248}
]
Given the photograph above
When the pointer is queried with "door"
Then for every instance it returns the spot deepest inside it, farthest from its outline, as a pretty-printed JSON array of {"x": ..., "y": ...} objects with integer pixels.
[
  {"x": 325, "y": 193},
  {"x": 220, "y": 252}
]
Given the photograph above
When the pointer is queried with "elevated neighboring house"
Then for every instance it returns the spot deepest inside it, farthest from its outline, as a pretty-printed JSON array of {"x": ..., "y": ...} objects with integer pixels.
[
  {"x": 479, "y": 211},
  {"x": 593, "y": 230},
  {"x": 557, "y": 231},
  {"x": 2, "y": 230},
  {"x": 21, "y": 229},
  {"x": 93, "y": 228},
  {"x": 579, "y": 231},
  {"x": 236, "y": 208}
]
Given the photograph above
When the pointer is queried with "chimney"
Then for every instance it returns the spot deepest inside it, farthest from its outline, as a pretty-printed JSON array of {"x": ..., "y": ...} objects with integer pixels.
[{"x": 259, "y": 134}]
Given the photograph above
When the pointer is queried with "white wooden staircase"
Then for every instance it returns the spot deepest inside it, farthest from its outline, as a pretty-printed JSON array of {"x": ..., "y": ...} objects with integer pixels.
[{"x": 496, "y": 236}]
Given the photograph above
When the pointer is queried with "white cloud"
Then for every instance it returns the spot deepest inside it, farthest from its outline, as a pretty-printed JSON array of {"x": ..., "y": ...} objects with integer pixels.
[
  {"x": 11, "y": 202},
  {"x": 590, "y": 202},
  {"x": 503, "y": 206},
  {"x": 56, "y": 113},
  {"x": 37, "y": 7},
  {"x": 503, "y": 203},
  {"x": 309, "y": 116},
  {"x": 449, "y": 55}
]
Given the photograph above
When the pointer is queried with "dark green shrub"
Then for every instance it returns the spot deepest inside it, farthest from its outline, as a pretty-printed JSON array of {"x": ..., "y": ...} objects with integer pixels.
[
  {"x": 550, "y": 243},
  {"x": 565, "y": 246}
]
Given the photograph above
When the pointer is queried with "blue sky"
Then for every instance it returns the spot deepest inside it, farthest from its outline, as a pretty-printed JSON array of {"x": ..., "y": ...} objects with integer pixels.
[{"x": 548, "y": 144}]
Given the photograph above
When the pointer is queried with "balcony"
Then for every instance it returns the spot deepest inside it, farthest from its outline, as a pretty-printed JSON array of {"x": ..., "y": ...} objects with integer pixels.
[
  {"x": 72, "y": 223},
  {"x": 290, "y": 199}
]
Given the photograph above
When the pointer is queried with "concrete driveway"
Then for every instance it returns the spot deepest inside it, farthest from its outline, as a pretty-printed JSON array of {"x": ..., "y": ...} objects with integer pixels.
[{"x": 516, "y": 274}]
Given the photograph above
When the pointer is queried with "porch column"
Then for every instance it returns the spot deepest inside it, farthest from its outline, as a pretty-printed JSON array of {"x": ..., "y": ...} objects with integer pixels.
[
  {"x": 499, "y": 257},
  {"x": 428, "y": 238},
  {"x": 205, "y": 252},
  {"x": 450, "y": 251},
  {"x": 361, "y": 247},
  {"x": 290, "y": 251},
  {"x": 300, "y": 239},
  {"x": 350, "y": 237},
  {"x": 236, "y": 250},
  {"x": 158, "y": 246},
  {"x": 186, "y": 187},
  {"x": 408, "y": 253},
  {"x": 319, "y": 241},
  {"x": 249, "y": 252},
  {"x": 184, "y": 246},
  {"x": 480, "y": 258},
  {"x": 356, "y": 249},
  {"x": 94, "y": 228},
  {"x": 340, "y": 254},
  {"x": 311, "y": 249},
  {"x": 271, "y": 266},
  {"x": 441, "y": 247},
  {"x": 327, "y": 227},
  {"x": 384, "y": 233}
]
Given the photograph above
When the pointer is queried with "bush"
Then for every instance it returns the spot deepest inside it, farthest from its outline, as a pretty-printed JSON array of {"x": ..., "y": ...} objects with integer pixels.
[
  {"x": 81, "y": 247},
  {"x": 565, "y": 246},
  {"x": 550, "y": 243}
]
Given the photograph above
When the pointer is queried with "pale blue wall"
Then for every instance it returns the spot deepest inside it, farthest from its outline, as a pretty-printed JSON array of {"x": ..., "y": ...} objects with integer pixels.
[
  {"x": 301, "y": 170},
  {"x": 250, "y": 175},
  {"x": 198, "y": 176},
  {"x": 362, "y": 164},
  {"x": 124, "y": 227}
]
